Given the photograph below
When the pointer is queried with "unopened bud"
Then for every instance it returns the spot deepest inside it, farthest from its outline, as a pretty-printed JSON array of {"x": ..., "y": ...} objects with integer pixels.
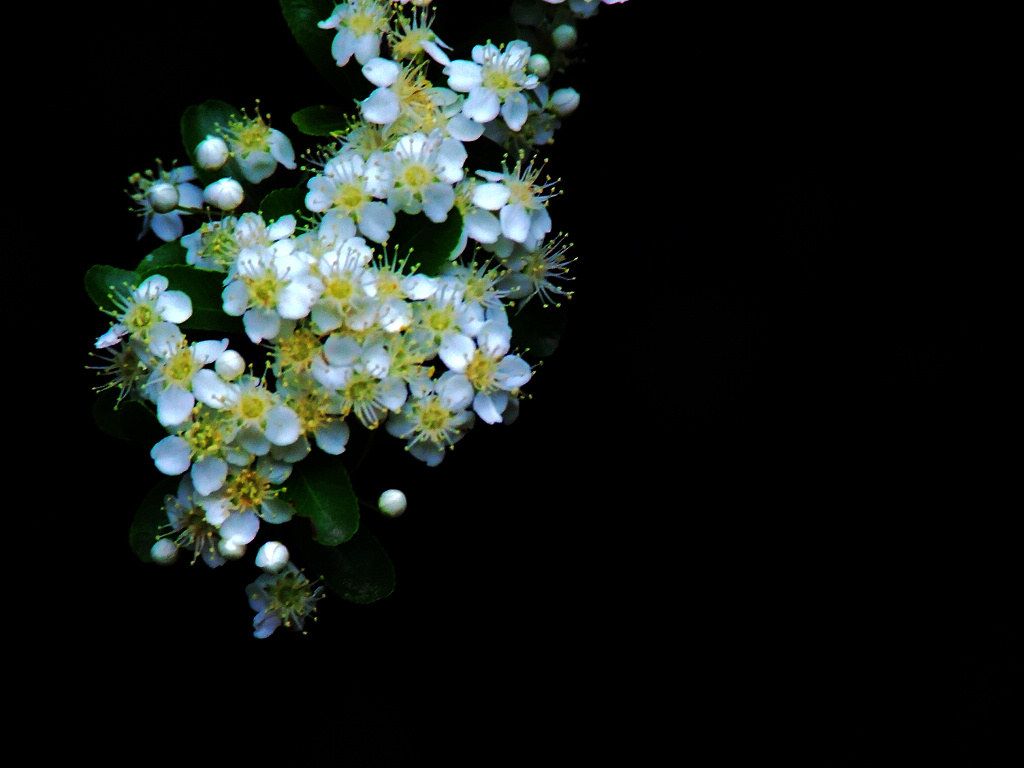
[
  {"x": 392, "y": 503},
  {"x": 212, "y": 153},
  {"x": 564, "y": 37},
  {"x": 230, "y": 549},
  {"x": 272, "y": 557},
  {"x": 162, "y": 197},
  {"x": 230, "y": 365},
  {"x": 539, "y": 65},
  {"x": 164, "y": 552},
  {"x": 564, "y": 101},
  {"x": 226, "y": 194}
]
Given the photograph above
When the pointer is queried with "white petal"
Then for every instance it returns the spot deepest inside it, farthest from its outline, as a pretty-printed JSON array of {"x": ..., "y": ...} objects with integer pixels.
[
  {"x": 490, "y": 196},
  {"x": 283, "y": 426},
  {"x": 515, "y": 222},
  {"x": 174, "y": 405},
  {"x": 171, "y": 455},
  {"x": 382, "y": 106},
  {"x": 332, "y": 437},
  {"x": 381, "y": 72},
  {"x": 482, "y": 105},
  {"x": 241, "y": 527},
  {"x": 174, "y": 306},
  {"x": 456, "y": 351},
  {"x": 515, "y": 111},
  {"x": 209, "y": 474}
]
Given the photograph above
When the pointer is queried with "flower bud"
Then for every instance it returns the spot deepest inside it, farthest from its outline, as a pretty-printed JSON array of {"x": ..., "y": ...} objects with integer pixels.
[
  {"x": 564, "y": 37},
  {"x": 225, "y": 194},
  {"x": 162, "y": 197},
  {"x": 230, "y": 549},
  {"x": 539, "y": 65},
  {"x": 564, "y": 101},
  {"x": 164, "y": 552},
  {"x": 230, "y": 365},
  {"x": 392, "y": 503},
  {"x": 212, "y": 153},
  {"x": 272, "y": 557}
]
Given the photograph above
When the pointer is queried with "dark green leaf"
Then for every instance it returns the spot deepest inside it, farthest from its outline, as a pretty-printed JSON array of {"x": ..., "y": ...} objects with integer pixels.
[
  {"x": 359, "y": 570},
  {"x": 320, "y": 120},
  {"x": 431, "y": 244},
  {"x": 101, "y": 281},
  {"x": 302, "y": 17},
  {"x": 319, "y": 489},
  {"x": 166, "y": 255},
  {"x": 204, "y": 287},
  {"x": 282, "y": 202},
  {"x": 150, "y": 517}
]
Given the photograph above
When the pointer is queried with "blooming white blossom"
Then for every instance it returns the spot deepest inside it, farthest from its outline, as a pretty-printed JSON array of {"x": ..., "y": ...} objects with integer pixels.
[
  {"x": 142, "y": 308},
  {"x": 423, "y": 171},
  {"x": 257, "y": 147},
  {"x": 495, "y": 80},
  {"x": 349, "y": 187},
  {"x": 361, "y": 24}
]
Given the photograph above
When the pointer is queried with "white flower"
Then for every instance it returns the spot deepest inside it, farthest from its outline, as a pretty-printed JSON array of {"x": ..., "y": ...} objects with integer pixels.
[
  {"x": 170, "y": 384},
  {"x": 257, "y": 147},
  {"x": 347, "y": 188},
  {"x": 494, "y": 80},
  {"x": 519, "y": 200},
  {"x": 360, "y": 25},
  {"x": 267, "y": 286},
  {"x": 413, "y": 36},
  {"x": 145, "y": 307},
  {"x": 486, "y": 366},
  {"x": 423, "y": 170}
]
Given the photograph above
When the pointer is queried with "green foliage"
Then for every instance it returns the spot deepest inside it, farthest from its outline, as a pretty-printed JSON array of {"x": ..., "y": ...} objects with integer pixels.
[
  {"x": 204, "y": 287},
  {"x": 432, "y": 244},
  {"x": 320, "y": 120},
  {"x": 101, "y": 281},
  {"x": 302, "y": 17},
  {"x": 282, "y": 202},
  {"x": 320, "y": 489},
  {"x": 166, "y": 255},
  {"x": 359, "y": 570}
]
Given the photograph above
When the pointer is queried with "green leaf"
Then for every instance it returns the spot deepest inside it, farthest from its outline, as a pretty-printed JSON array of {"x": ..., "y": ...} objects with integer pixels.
[
  {"x": 302, "y": 17},
  {"x": 319, "y": 488},
  {"x": 432, "y": 244},
  {"x": 166, "y": 255},
  {"x": 204, "y": 287},
  {"x": 537, "y": 328},
  {"x": 101, "y": 281},
  {"x": 282, "y": 202},
  {"x": 320, "y": 120},
  {"x": 359, "y": 570},
  {"x": 150, "y": 517}
]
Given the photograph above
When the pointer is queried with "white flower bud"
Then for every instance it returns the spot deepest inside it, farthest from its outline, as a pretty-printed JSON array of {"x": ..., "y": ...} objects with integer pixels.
[
  {"x": 230, "y": 549},
  {"x": 539, "y": 65},
  {"x": 226, "y": 194},
  {"x": 272, "y": 557},
  {"x": 164, "y": 552},
  {"x": 392, "y": 503},
  {"x": 162, "y": 197},
  {"x": 230, "y": 365},
  {"x": 212, "y": 153},
  {"x": 564, "y": 37},
  {"x": 564, "y": 101}
]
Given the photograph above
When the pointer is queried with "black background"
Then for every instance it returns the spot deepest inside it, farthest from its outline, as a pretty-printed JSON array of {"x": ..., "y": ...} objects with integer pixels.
[{"x": 752, "y": 502}]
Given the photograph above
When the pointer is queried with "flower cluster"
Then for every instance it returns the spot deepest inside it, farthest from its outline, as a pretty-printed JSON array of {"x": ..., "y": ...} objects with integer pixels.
[{"x": 358, "y": 333}]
